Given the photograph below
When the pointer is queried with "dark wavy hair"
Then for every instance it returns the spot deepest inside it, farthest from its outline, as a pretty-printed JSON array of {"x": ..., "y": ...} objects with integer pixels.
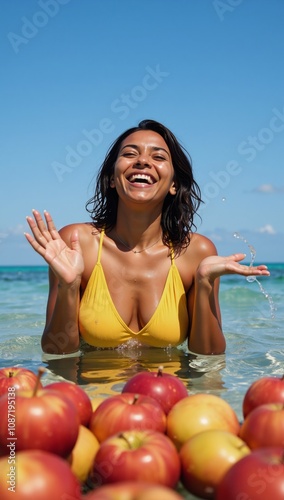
[{"x": 178, "y": 210}]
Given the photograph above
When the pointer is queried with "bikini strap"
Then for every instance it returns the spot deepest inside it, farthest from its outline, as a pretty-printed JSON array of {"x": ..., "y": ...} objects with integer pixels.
[
  {"x": 100, "y": 246},
  {"x": 172, "y": 253}
]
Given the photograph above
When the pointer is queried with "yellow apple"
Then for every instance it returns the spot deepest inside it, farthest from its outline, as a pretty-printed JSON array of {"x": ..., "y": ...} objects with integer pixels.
[
  {"x": 206, "y": 457},
  {"x": 83, "y": 453},
  {"x": 197, "y": 413}
]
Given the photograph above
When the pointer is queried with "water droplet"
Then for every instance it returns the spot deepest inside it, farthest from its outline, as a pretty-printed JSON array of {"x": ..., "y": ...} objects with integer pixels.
[
  {"x": 250, "y": 279},
  {"x": 224, "y": 199}
]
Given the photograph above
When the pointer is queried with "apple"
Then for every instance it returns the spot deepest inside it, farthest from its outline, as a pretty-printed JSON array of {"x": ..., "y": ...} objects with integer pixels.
[
  {"x": 133, "y": 490},
  {"x": 264, "y": 426},
  {"x": 19, "y": 378},
  {"x": 166, "y": 388},
  {"x": 125, "y": 412},
  {"x": 78, "y": 396},
  {"x": 147, "y": 455},
  {"x": 200, "y": 412},
  {"x": 37, "y": 474},
  {"x": 83, "y": 453},
  {"x": 258, "y": 476},
  {"x": 38, "y": 419},
  {"x": 206, "y": 457},
  {"x": 262, "y": 391}
]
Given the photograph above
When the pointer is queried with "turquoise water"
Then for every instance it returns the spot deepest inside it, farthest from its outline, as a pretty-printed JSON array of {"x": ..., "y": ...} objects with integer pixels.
[{"x": 252, "y": 314}]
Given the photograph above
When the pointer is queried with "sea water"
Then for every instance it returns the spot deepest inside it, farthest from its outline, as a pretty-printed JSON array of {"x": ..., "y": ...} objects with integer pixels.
[{"x": 252, "y": 318}]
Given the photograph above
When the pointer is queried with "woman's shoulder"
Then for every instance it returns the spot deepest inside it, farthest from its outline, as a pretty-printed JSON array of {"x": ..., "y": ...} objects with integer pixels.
[
  {"x": 85, "y": 231},
  {"x": 202, "y": 245}
]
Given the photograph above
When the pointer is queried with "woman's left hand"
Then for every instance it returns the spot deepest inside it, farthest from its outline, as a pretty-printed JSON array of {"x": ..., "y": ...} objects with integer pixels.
[{"x": 212, "y": 267}]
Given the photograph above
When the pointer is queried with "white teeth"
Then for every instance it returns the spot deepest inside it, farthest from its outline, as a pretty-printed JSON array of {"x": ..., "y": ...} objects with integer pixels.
[{"x": 144, "y": 177}]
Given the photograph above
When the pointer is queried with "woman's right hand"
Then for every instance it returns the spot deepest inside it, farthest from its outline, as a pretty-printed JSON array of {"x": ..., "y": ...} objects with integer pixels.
[{"x": 66, "y": 262}]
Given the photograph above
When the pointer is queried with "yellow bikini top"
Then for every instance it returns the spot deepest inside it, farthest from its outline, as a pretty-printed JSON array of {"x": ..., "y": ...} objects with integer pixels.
[{"x": 101, "y": 325}]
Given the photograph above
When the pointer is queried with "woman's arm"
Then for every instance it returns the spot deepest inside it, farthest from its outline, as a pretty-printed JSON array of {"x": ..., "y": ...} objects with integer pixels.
[
  {"x": 61, "y": 331},
  {"x": 206, "y": 336},
  {"x": 62, "y": 251}
]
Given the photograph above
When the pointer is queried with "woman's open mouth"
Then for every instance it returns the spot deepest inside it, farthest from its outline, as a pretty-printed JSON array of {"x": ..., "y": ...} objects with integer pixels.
[{"x": 141, "y": 179}]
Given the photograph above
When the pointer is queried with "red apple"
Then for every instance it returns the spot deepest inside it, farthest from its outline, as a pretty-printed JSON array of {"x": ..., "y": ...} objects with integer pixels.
[
  {"x": 18, "y": 378},
  {"x": 78, "y": 396},
  {"x": 127, "y": 411},
  {"x": 167, "y": 389},
  {"x": 262, "y": 391},
  {"x": 206, "y": 457},
  {"x": 258, "y": 476},
  {"x": 38, "y": 475},
  {"x": 264, "y": 426},
  {"x": 38, "y": 419},
  {"x": 197, "y": 413},
  {"x": 133, "y": 490},
  {"x": 148, "y": 456}
]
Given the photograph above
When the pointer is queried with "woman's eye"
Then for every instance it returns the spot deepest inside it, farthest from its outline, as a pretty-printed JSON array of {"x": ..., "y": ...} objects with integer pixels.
[{"x": 129, "y": 154}]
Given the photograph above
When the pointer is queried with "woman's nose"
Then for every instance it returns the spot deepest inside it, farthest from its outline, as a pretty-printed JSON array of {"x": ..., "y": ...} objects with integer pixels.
[{"x": 142, "y": 160}]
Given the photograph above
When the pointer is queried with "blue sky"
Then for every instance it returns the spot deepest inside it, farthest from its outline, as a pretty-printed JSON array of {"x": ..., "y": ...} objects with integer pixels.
[{"x": 78, "y": 73}]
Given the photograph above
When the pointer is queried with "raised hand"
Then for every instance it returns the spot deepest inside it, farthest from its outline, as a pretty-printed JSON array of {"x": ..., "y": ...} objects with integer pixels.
[
  {"x": 67, "y": 263},
  {"x": 212, "y": 267}
]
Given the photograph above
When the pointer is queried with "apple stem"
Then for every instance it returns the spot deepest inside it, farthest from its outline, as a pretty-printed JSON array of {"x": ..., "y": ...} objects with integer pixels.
[
  {"x": 160, "y": 371},
  {"x": 40, "y": 373},
  {"x": 126, "y": 440},
  {"x": 135, "y": 399},
  {"x": 11, "y": 374}
]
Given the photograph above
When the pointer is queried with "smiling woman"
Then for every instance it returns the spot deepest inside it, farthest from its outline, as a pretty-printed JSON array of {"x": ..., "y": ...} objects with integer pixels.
[{"x": 137, "y": 270}]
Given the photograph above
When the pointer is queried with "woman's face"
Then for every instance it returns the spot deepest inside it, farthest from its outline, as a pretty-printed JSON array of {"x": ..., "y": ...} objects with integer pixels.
[{"x": 143, "y": 170}]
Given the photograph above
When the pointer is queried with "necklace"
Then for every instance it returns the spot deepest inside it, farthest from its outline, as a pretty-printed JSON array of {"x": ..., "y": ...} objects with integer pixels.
[{"x": 135, "y": 251}]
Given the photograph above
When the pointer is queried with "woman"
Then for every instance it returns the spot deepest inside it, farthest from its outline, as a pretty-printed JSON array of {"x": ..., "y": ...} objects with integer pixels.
[{"x": 137, "y": 270}]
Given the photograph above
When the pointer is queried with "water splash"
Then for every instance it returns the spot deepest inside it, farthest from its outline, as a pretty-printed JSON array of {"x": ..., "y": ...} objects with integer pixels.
[
  {"x": 251, "y": 249},
  {"x": 251, "y": 279}
]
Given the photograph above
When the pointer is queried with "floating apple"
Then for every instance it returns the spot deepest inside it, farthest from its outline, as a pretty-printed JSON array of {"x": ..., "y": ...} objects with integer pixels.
[
  {"x": 38, "y": 475},
  {"x": 19, "y": 378},
  {"x": 133, "y": 490},
  {"x": 200, "y": 412},
  {"x": 125, "y": 412},
  {"x": 258, "y": 476},
  {"x": 83, "y": 454},
  {"x": 262, "y": 391},
  {"x": 38, "y": 419},
  {"x": 78, "y": 396},
  {"x": 167, "y": 389},
  {"x": 264, "y": 426},
  {"x": 206, "y": 457},
  {"x": 135, "y": 455}
]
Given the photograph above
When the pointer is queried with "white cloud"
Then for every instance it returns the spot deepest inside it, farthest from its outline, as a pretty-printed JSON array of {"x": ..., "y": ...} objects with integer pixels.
[
  {"x": 268, "y": 188},
  {"x": 19, "y": 229},
  {"x": 268, "y": 229}
]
